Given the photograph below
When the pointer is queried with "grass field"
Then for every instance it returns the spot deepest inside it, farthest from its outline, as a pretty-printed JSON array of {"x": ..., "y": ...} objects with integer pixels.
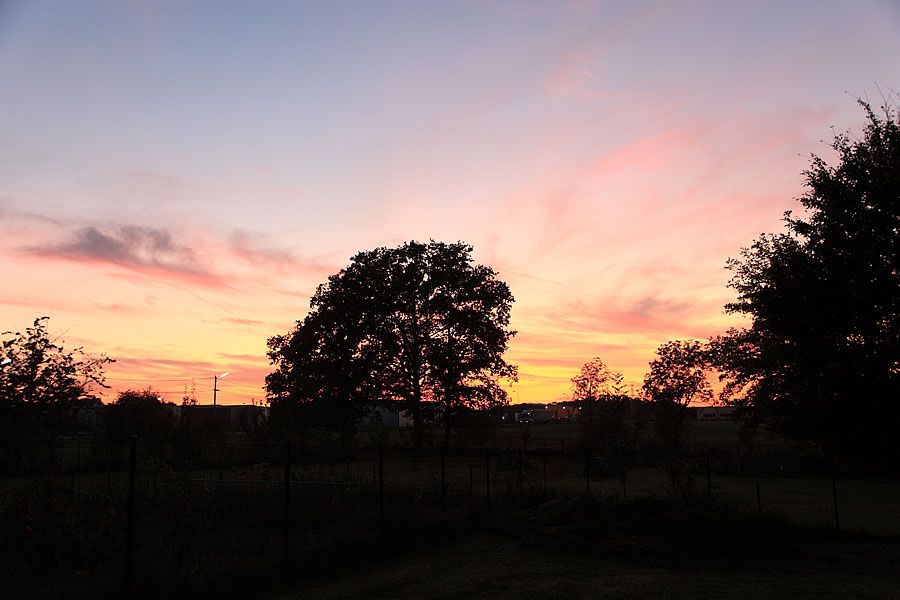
[
  {"x": 208, "y": 531},
  {"x": 490, "y": 566},
  {"x": 581, "y": 548}
]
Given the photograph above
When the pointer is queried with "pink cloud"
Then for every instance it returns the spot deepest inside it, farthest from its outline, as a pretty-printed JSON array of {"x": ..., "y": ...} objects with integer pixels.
[
  {"x": 652, "y": 153},
  {"x": 251, "y": 248},
  {"x": 646, "y": 316},
  {"x": 150, "y": 251},
  {"x": 575, "y": 73}
]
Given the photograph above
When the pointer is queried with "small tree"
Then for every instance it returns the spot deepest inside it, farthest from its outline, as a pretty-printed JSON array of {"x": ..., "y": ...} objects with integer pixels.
[
  {"x": 619, "y": 425},
  {"x": 142, "y": 413},
  {"x": 189, "y": 397},
  {"x": 677, "y": 377},
  {"x": 606, "y": 415},
  {"x": 40, "y": 372},
  {"x": 40, "y": 383},
  {"x": 591, "y": 383}
]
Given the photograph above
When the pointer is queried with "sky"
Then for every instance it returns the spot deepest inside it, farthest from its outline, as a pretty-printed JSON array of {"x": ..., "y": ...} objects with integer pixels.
[{"x": 176, "y": 178}]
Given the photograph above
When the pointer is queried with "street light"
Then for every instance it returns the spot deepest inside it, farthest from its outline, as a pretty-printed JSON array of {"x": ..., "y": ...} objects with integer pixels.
[
  {"x": 215, "y": 382},
  {"x": 5, "y": 362}
]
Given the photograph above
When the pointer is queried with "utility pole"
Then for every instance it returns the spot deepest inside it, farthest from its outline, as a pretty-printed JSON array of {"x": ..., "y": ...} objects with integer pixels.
[{"x": 216, "y": 384}]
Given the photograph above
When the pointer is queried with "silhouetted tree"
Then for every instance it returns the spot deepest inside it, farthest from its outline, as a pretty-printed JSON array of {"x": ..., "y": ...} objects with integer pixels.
[
  {"x": 821, "y": 360},
  {"x": 40, "y": 383},
  {"x": 142, "y": 413},
  {"x": 189, "y": 397},
  {"x": 677, "y": 377},
  {"x": 419, "y": 323},
  {"x": 38, "y": 371},
  {"x": 588, "y": 386},
  {"x": 592, "y": 381},
  {"x": 618, "y": 423}
]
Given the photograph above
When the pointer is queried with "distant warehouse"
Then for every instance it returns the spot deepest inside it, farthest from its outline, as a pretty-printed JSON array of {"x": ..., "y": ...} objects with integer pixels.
[
  {"x": 536, "y": 415},
  {"x": 714, "y": 413}
]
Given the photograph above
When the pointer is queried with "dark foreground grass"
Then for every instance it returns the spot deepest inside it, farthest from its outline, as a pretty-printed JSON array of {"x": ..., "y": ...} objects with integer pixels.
[
  {"x": 579, "y": 548},
  {"x": 575, "y": 547},
  {"x": 491, "y": 566}
]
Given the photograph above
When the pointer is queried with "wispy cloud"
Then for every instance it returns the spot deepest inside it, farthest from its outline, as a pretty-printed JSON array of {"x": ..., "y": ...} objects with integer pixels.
[
  {"x": 153, "y": 184},
  {"x": 122, "y": 309},
  {"x": 574, "y": 75},
  {"x": 647, "y": 315},
  {"x": 12, "y": 215},
  {"x": 236, "y": 321},
  {"x": 144, "y": 249},
  {"x": 254, "y": 250},
  {"x": 255, "y": 359}
]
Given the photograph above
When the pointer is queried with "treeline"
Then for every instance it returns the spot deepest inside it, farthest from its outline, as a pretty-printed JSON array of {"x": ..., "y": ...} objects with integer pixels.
[{"x": 422, "y": 328}]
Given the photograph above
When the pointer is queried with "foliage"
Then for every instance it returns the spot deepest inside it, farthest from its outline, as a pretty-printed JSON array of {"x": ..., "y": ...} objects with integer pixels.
[
  {"x": 189, "y": 397},
  {"x": 588, "y": 387},
  {"x": 677, "y": 377},
  {"x": 141, "y": 413},
  {"x": 419, "y": 323},
  {"x": 41, "y": 372},
  {"x": 608, "y": 420},
  {"x": 821, "y": 360},
  {"x": 592, "y": 381},
  {"x": 41, "y": 385},
  {"x": 41, "y": 382}
]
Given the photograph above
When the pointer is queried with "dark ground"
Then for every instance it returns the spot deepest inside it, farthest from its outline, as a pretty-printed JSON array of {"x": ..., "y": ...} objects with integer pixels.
[{"x": 581, "y": 549}]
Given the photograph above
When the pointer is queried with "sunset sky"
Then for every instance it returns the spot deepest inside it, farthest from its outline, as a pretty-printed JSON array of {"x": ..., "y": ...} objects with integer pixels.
[{"x": 177, "y": 177}]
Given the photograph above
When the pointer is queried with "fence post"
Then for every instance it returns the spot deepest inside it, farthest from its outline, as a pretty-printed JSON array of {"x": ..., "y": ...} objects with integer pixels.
[
  {"x": 380, "y": 489},
  {"x": 129, "y": 528},
  {"x": 287, "y": 500},
  {"x": 758, "y": 499},
  {"x": 587, "y": 472},
  {"x": 708, "y": 476},
  {"x": 837, "y": 519},
  {"x": 487, "y": 474},
  {"x": 519, "y": 475},
  {"x": 444, "y": 475}
]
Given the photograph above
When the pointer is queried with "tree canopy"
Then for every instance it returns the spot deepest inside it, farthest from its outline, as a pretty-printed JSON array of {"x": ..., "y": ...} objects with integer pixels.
[
  {"x": 39, "y": 371},
  {"x": 592, "y": 381},
  {"x": 678, "y": 376},
  {"x": 821, "y": 359},
  {"x": 139, "y": 412},
  {"x": 419, "y": 324},
  {"x": 37, "y": 374}
]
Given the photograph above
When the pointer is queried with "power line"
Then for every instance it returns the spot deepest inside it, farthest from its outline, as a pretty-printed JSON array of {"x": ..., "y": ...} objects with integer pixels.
[
  {"x": 151, "y": 380},
  {"x": 249, "y": 385}
]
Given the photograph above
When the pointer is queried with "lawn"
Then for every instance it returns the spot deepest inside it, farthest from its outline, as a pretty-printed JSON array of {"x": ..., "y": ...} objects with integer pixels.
[{"x": 491, "y": 565}]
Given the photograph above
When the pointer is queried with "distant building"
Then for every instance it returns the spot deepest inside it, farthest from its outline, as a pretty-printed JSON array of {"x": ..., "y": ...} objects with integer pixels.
[
  {"x": 90, "y": 418},
  {"x": 562, "y": 412},
  {"x": 536, "y": 415},
  {"x": 385, "y": 416},
  {"x": 714, "y": 413},
  {"x": 236, "y": 417}
]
